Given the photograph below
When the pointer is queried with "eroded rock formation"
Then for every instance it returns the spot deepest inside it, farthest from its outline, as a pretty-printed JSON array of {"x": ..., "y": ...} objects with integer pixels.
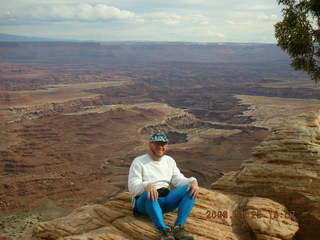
[
  {"x": 286, "y": 168},
  {"x": 225, "y": 216},
  {"x": 274, "y": 196}
]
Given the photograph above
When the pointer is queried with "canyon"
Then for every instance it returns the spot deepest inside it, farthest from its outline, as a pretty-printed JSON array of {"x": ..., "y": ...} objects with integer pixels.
[
  {"x": 274, "y": 196},
  {"x": 74, "y": 115}
]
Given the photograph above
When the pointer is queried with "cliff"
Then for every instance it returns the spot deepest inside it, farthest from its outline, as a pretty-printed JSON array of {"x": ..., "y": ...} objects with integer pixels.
[
  {"x": 285, "y": 167},
  {"x": 274, "y": 196}
]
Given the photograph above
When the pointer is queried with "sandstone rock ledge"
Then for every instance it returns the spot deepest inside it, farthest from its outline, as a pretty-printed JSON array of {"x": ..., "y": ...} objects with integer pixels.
[
  {"x": 285, "y": 167},
  {"x": 243, "y": 205},
  {"x": 216, "y": 216}
]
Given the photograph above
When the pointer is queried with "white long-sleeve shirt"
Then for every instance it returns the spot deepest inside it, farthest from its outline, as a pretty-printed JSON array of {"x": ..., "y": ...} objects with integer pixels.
[{"x": 162, "y": 173}]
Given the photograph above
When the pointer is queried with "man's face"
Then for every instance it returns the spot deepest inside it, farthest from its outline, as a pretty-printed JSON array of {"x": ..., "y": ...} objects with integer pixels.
[{"x": 158, "y": 148}]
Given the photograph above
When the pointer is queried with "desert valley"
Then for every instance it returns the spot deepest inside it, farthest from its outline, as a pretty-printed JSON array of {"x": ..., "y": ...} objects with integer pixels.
[{"x": 73, "y": 116}]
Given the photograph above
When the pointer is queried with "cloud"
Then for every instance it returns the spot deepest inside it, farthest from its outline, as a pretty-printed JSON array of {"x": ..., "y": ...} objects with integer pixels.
[
  {"x": 259, "y": 7},
  {"x": 216, "y": 34},
  {"x": 175, "y": 19},
  {"x": 190, "y": 1},
  {"x": 198, "y": 19},
  {"x": 99, "y": 12},
  {"x": 178, "y": 20},
  {"x": 230, "y": 22},
  {"x": 265, "y": 17},
  {"x": 5, "y": 14},
  {"x": 163, "y": 17},
  {"x": 82, "y": 12}
]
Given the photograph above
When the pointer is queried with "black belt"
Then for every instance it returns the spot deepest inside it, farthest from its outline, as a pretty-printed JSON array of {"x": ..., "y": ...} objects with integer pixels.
[{"x": 162, "y": 192}]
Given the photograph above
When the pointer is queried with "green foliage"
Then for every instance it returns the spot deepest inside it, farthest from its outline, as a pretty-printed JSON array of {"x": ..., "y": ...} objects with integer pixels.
[{"x": 299, "y": 34}]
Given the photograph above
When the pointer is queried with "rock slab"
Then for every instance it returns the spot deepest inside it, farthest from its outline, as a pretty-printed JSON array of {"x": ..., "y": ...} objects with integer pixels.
[
  {"x": 225, "y": 216},
  {"x": 285, "y": 167}
]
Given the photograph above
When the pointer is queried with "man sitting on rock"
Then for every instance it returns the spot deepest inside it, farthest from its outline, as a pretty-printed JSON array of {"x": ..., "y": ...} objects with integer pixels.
[{"x": 150, "y": 177}]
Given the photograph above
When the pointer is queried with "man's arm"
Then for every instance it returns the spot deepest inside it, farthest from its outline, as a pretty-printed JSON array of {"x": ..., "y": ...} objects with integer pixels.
[
  {"x": 136, "y": 185},
  {"x": 178, "y": 179}
]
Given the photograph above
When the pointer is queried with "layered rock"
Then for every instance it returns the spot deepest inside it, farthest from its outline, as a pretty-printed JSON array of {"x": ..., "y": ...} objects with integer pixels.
[
  {"x": 286, "y": 168},
  {"x": 225, "y": 216},
  {"x": 275, "y": 193},
  {"x": 48, "y": 109}
]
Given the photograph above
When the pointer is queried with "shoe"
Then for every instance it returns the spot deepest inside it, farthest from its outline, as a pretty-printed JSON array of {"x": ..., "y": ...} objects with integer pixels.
[
  {"x": 166, "y": 234},
  {"x": 180, "y": 234}
]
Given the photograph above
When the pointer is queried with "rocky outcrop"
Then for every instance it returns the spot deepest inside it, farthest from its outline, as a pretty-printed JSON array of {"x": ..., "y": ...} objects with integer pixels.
[
  {"x": 177, "y": 126},
  {"x": 286, "y": 168},
  {"x": 226, "y": 216},
  {"x": 48, "y": 109},
  {"x": 274, "y": 196}
]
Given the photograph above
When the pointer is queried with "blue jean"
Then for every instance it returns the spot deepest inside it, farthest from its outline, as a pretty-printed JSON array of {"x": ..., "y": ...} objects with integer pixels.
[{"x": 178, "y": 198}]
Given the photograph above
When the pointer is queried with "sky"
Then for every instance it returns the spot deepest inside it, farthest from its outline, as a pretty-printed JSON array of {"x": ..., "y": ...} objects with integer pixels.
[{"x": 143, "y": 20}]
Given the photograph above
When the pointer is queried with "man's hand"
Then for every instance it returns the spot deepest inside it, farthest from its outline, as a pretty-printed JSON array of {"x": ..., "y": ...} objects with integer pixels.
[
  {"x": 152, "y": 192},
  {"x": 194, "y": 189}
]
